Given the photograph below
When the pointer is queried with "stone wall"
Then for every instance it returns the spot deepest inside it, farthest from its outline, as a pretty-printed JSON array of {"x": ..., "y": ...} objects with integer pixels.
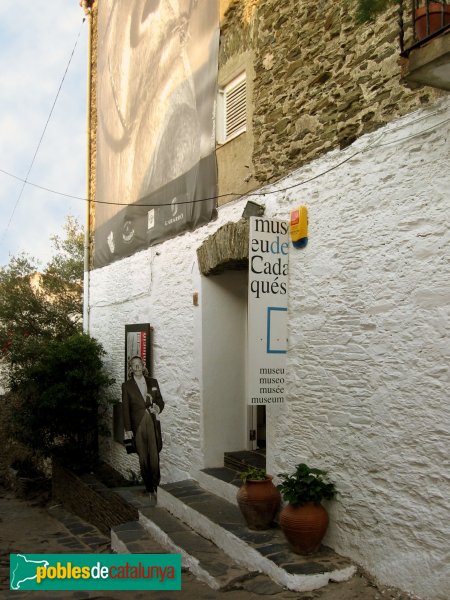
[
  {"x": 92, "y": 144},
  {"x": 236, "y": 33},
  {"x": 86, "y": 497},
  {"x": 368, "y": 302},
  {"x": 367, "y": 383},
  {"x": 321, "y": 79},
  {"x": 369, "y": 331},
  {"x": 226, "y": 249}
]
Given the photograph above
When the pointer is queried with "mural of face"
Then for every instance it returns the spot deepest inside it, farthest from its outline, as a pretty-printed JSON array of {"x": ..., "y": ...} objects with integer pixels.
[
  {"x": 156, "y": 79},
  {"x": 146, "y": 99}
]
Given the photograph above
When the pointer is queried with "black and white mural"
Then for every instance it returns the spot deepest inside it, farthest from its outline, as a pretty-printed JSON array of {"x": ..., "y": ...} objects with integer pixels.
[{"x": 156, "y": 90}]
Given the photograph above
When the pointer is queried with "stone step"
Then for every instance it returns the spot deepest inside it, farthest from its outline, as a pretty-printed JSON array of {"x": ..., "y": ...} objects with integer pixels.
[
  {"x": 221, "y": 481},
  {"x": 158, "y": 531},
  {"x": 221, "y": 521}
]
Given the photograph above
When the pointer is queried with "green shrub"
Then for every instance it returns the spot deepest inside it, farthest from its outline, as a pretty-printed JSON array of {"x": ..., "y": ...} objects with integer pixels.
[{"x": 60, "y": 398}]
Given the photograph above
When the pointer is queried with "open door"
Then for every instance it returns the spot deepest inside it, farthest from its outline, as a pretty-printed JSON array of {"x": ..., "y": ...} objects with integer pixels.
[{"x": 256, "y": 425}]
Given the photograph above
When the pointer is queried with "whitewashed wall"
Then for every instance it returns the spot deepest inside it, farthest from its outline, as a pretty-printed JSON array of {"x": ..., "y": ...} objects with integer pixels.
[{"x": 369, "y": 348}]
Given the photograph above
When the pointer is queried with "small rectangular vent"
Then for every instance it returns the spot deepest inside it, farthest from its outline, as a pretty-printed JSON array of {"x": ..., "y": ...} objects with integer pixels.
[
  {"x": 232, "y": 109},
  {"x": 236, "y": 110}
]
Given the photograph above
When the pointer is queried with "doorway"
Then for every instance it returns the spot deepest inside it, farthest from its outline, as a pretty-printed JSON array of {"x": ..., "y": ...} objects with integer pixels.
[{"x": 227, "y": 422}]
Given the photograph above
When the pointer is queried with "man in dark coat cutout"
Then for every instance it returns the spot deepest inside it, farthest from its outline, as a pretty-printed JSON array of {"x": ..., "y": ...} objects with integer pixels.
[{"x": 141, "y": 404}]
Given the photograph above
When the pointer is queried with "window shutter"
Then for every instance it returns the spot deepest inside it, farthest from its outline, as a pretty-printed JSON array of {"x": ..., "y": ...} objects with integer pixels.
[{"x": 235, "y": 107}]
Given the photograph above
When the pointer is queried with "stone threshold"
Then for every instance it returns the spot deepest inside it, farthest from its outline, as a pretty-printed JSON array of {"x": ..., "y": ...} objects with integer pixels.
[{"x": 208, "y": 518}]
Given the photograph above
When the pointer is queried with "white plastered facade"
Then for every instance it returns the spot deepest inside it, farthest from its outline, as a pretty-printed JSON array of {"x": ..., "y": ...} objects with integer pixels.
[{"x": 368, "y": 360}]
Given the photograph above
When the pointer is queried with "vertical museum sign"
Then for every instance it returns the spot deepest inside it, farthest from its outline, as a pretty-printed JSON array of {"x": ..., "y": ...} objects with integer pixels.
[{"x": 267, "y": 310}]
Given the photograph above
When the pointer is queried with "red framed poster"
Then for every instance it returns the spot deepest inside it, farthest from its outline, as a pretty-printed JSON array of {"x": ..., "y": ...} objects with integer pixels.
[{"x": 138, "y": 343}]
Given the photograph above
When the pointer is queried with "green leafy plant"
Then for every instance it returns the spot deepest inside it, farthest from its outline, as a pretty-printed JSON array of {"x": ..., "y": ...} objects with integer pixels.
[
  {"x": 368, "y": 9},
  {"x": 306, "y": 485},
  {"x": 60, "y": 398},
  {"x": 53, "y": 373},
  {"x": 41, "y": 304},
  {"x": 253, "y": 474}
]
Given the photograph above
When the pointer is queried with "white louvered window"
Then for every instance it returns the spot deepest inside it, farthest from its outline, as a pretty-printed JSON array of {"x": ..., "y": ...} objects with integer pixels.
[{"x": 232, "y": 109}]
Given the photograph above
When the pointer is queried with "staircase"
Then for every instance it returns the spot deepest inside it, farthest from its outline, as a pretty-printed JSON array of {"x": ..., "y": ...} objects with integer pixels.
[{"x": 200, "y": 520}]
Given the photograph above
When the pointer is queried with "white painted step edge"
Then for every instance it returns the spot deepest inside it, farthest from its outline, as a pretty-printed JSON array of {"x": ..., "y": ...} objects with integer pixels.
[
  {"x": 244, "y": 554},
  {"x": 189, "y": 562},
  {"x": 220, "y": 488}
]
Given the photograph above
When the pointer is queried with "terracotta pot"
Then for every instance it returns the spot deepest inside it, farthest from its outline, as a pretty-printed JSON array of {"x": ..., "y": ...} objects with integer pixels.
[
  {"x": 304, "y": 526},
  {"x": 435, "y": 10},
  {"x": 259, "y": 502}
]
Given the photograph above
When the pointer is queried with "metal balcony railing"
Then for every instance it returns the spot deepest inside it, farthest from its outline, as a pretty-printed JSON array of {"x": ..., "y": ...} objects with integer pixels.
[{"x": 420, "y": 21}]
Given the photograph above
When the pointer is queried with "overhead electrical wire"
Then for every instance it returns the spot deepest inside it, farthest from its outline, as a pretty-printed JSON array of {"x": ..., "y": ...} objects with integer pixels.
[
  {"x": 238, "y": 194},
  {"x": 25, "y": 181},
  {"x": 41, "y": 187}
]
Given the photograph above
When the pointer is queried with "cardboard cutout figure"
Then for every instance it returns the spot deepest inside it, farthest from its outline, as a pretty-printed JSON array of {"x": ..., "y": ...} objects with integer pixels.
[{"x": 141, "y": 404}]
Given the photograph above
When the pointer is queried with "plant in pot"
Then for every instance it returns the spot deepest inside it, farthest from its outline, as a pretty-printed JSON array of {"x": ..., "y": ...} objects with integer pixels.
[
  {"x": 258, "y": 499},
  {"x": 429, "y": 17},
  {"x": 304, "y": 520}
]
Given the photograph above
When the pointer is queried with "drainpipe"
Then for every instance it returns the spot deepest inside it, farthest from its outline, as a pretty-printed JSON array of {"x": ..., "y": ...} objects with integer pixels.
[{"x": 86, "y": 286}]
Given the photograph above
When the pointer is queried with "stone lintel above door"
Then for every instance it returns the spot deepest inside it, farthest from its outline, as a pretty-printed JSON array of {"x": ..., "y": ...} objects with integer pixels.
[{"x": 226, "y": 249}]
